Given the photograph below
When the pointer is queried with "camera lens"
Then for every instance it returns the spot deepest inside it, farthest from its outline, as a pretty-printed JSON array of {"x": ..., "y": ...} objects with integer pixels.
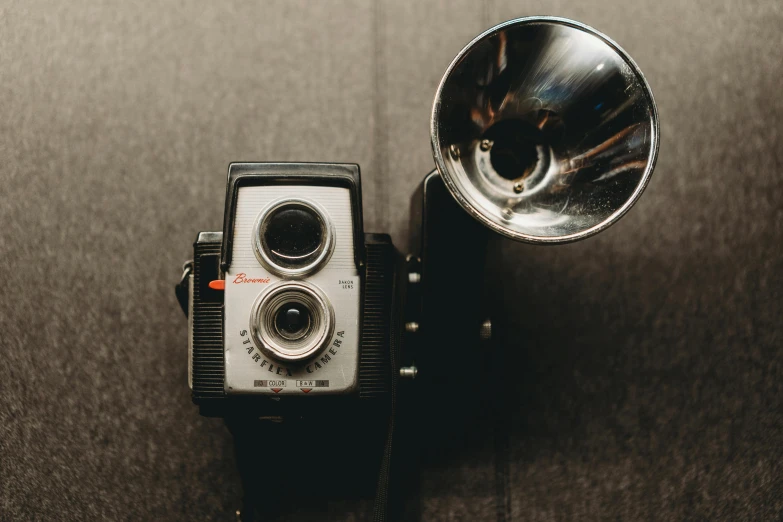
[
  {"x": 292, "y": 321},
  {"x": 293, "y": 233},
  {"x": 293, "y": 237}
]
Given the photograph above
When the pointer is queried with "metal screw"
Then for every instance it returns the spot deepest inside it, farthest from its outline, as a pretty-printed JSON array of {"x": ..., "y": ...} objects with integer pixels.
[
  {"x": 485, "y": 332},
  {"x": 518, "y": 187},
  {"x": 409, "y": 372},
  {"x": 486, "y": 145},
  {"x": 507, "y": 213},
  {"x": 412, "y": 327},
  {"x": 454, "y": 150},
  {"x": 414, "y": 277}
]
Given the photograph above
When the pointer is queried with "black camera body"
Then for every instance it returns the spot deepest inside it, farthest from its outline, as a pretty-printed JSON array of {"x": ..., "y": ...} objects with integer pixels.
[{"x": 292, "y": 305}]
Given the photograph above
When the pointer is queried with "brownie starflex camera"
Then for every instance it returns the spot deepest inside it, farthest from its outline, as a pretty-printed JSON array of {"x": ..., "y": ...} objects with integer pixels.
[
  {"x": 306, "y": 332},
  {"x": 292, "y": 299}
]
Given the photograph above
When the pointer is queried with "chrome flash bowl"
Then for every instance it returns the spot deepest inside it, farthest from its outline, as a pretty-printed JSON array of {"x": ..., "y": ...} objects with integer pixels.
[{"x": 545, "y": 130}]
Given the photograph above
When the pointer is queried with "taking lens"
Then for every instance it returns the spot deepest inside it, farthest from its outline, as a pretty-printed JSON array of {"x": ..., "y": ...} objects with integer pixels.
[{"x": 292, "y": 321}]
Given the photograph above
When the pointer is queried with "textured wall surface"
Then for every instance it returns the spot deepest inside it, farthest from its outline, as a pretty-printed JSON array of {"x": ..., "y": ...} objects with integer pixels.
[{"x": 646, "y": 370}]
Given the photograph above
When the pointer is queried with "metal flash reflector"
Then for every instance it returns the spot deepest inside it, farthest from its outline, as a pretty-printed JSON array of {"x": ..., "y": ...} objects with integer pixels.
[{"x": 544, "y": 130}]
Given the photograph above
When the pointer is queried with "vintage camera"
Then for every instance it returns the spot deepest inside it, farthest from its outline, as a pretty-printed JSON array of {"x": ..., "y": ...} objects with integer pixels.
[
  {"x": 292, "y": 299},
  {"x": 543, "y": 130}
]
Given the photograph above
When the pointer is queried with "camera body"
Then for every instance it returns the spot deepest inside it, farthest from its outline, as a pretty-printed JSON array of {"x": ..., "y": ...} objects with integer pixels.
[{"x": 292, "y": 300}]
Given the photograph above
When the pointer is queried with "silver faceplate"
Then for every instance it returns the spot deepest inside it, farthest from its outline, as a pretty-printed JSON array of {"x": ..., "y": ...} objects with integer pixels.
[{"x": 332, "y": 370}]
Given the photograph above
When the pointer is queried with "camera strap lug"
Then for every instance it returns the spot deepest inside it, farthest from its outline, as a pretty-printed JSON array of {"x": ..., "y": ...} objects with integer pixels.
[{"x": 181, "y": 289}]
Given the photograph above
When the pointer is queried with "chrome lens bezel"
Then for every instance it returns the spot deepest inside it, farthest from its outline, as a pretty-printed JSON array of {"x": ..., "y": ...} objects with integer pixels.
[
  {"x": 314, "y": 261},
  {"x": 264, "y": 312}
]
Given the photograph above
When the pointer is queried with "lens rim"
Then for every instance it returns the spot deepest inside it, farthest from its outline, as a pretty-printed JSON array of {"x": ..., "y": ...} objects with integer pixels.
[
  {"x": 263, "y": 315},
  {"x": 316, "y": 260}
]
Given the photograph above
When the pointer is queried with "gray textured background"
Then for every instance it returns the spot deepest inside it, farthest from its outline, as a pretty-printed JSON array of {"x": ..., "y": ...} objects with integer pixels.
[{"x": 648, "y": 359}]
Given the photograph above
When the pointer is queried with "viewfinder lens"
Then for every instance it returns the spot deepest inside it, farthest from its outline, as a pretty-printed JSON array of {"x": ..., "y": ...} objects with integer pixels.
[
  {"x": 293, "y": 238},
  {"x": 293, "y": 232}
]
